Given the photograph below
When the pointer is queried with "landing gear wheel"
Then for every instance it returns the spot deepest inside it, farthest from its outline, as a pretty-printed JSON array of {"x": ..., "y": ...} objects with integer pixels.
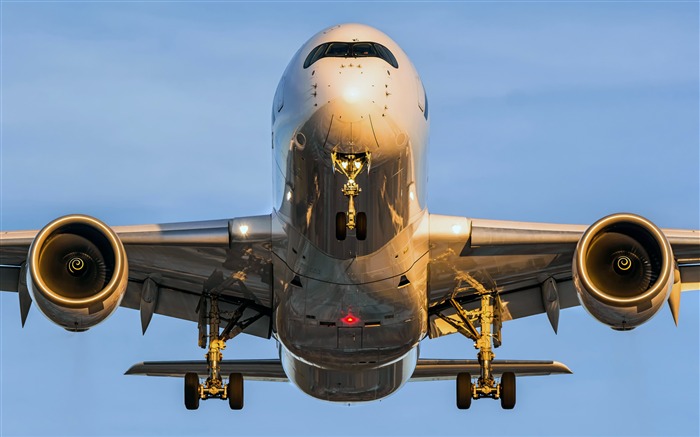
[
  {"x": 235, "y": 391},
  {"x": 191, "y": 391},
  {"x": 361, "y": 226},
  {"x": 341, "y": 226},
  {"x": 464, "y": 390},
  {"x": 508, "y": 391}
]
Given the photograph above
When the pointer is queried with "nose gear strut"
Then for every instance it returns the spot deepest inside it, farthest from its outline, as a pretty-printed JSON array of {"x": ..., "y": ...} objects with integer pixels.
[{"x": 351, "y": 165}]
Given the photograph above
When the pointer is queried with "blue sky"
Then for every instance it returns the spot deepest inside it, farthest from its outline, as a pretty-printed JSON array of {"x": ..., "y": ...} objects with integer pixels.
[{"x": 159, "y": 112}]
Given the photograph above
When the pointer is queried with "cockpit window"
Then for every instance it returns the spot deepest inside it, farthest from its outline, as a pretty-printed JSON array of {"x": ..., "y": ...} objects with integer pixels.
[
  {"x": 315, "y": 55},
  {"x": 386, "y": 54},
  {"x": 362, "y": 49},
  {"x": 338, "y": 50},
  {"x": 351, "y": 50}
]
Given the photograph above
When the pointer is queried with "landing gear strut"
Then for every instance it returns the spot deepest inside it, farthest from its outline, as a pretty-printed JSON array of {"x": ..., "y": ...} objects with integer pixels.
[
  {"x": 351, "y": 165},
  {"x": 488, "y": 335},
  {"x": 213, "y": 386}
]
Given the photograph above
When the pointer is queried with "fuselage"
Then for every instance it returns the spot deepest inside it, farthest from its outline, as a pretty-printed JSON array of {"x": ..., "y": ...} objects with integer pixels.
[{"x": 350, "y": 313}]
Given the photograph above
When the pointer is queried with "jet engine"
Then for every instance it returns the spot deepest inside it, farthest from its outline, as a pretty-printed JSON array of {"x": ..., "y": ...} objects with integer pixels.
[
  {"x": 623, "y": 270},
  {"x": 77, "y": 271}
]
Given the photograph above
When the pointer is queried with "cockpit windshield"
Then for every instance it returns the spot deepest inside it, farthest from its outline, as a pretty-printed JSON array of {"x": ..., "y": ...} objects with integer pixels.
[
  {"x": 351, "y": 50},
  {"x": 337, "y": 49}
]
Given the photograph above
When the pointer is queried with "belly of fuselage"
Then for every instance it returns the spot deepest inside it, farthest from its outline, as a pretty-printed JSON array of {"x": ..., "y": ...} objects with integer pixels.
[
  {"x": 349, "y": 386},
  {"x": 349, "y": 328},
  {"x": 350, "y": 342}
]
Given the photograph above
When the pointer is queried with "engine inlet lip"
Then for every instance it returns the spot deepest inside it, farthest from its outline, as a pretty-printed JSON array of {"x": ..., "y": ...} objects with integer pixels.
[
  {"x": 664, "y": 279},
  {"x": 120, "y": 267}
]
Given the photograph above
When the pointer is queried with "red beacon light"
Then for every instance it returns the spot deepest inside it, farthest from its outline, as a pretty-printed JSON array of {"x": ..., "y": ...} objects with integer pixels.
[{"x": 350, "y": 319}]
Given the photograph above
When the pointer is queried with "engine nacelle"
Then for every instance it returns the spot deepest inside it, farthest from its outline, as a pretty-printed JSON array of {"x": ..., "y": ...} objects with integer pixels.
[
  {"x": 623, "y": 270},
  {"x": 77, "y": 271}
]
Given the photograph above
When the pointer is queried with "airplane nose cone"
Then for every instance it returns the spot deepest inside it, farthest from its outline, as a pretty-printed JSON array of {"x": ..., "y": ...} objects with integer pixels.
[
  {"x": 352, "y": 104},
  {"x": 358, "y": 90},
  {"x": 352, "y": 94}
]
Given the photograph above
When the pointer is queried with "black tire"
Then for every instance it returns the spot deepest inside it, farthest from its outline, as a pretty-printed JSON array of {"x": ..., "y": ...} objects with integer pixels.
[
  {"x": 191, "y": 391},
  {"x": 235, "y": 391},
  {"x": 341, "y": 226},
  {"x": 508, "y": 391},
  {"x": 464, "y": 391},
  {"x": 361, "y": 226}
]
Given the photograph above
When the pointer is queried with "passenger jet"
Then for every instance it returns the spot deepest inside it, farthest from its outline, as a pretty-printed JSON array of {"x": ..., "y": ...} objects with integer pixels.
[{"x": 350, "y": 272}]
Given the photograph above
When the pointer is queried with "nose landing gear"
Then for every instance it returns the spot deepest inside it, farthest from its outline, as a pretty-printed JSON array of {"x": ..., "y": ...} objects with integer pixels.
[{"x": 351, "y": 165}]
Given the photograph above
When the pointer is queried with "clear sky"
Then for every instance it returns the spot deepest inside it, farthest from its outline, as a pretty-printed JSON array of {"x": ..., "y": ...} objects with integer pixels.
[{"x": 151, "y": 112}]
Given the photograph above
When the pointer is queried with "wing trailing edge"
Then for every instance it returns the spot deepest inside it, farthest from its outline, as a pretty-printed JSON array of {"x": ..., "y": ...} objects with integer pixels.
[
  {"x": 436, "y": 370},
  {"x": 255, "y": 370}
]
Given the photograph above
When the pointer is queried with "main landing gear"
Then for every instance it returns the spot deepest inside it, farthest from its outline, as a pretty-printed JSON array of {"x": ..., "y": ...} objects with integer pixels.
[
  {"x": 489, "y": 319},
  {"x": 351, "y": 165},
  {"x": 214, "y": 386}
]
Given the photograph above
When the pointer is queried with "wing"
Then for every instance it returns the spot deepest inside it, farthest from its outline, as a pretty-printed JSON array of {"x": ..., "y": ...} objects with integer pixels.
[
  {"x": 528, "y": 264},
  {"x": 171, "y": 266}
]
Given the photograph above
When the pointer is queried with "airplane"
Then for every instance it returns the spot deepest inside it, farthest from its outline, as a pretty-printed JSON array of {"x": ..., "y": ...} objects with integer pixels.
[{"x": 350, "y": 271}]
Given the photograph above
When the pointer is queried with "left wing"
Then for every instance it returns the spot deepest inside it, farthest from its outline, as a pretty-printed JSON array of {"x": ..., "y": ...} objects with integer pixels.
[
  {"x": 172, "y": 266},
  {"x": 529, "y": 265}
]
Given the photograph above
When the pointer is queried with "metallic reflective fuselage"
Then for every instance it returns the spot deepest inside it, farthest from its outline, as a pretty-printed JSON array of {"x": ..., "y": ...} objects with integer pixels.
[{"x": 349, "y": 314}]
